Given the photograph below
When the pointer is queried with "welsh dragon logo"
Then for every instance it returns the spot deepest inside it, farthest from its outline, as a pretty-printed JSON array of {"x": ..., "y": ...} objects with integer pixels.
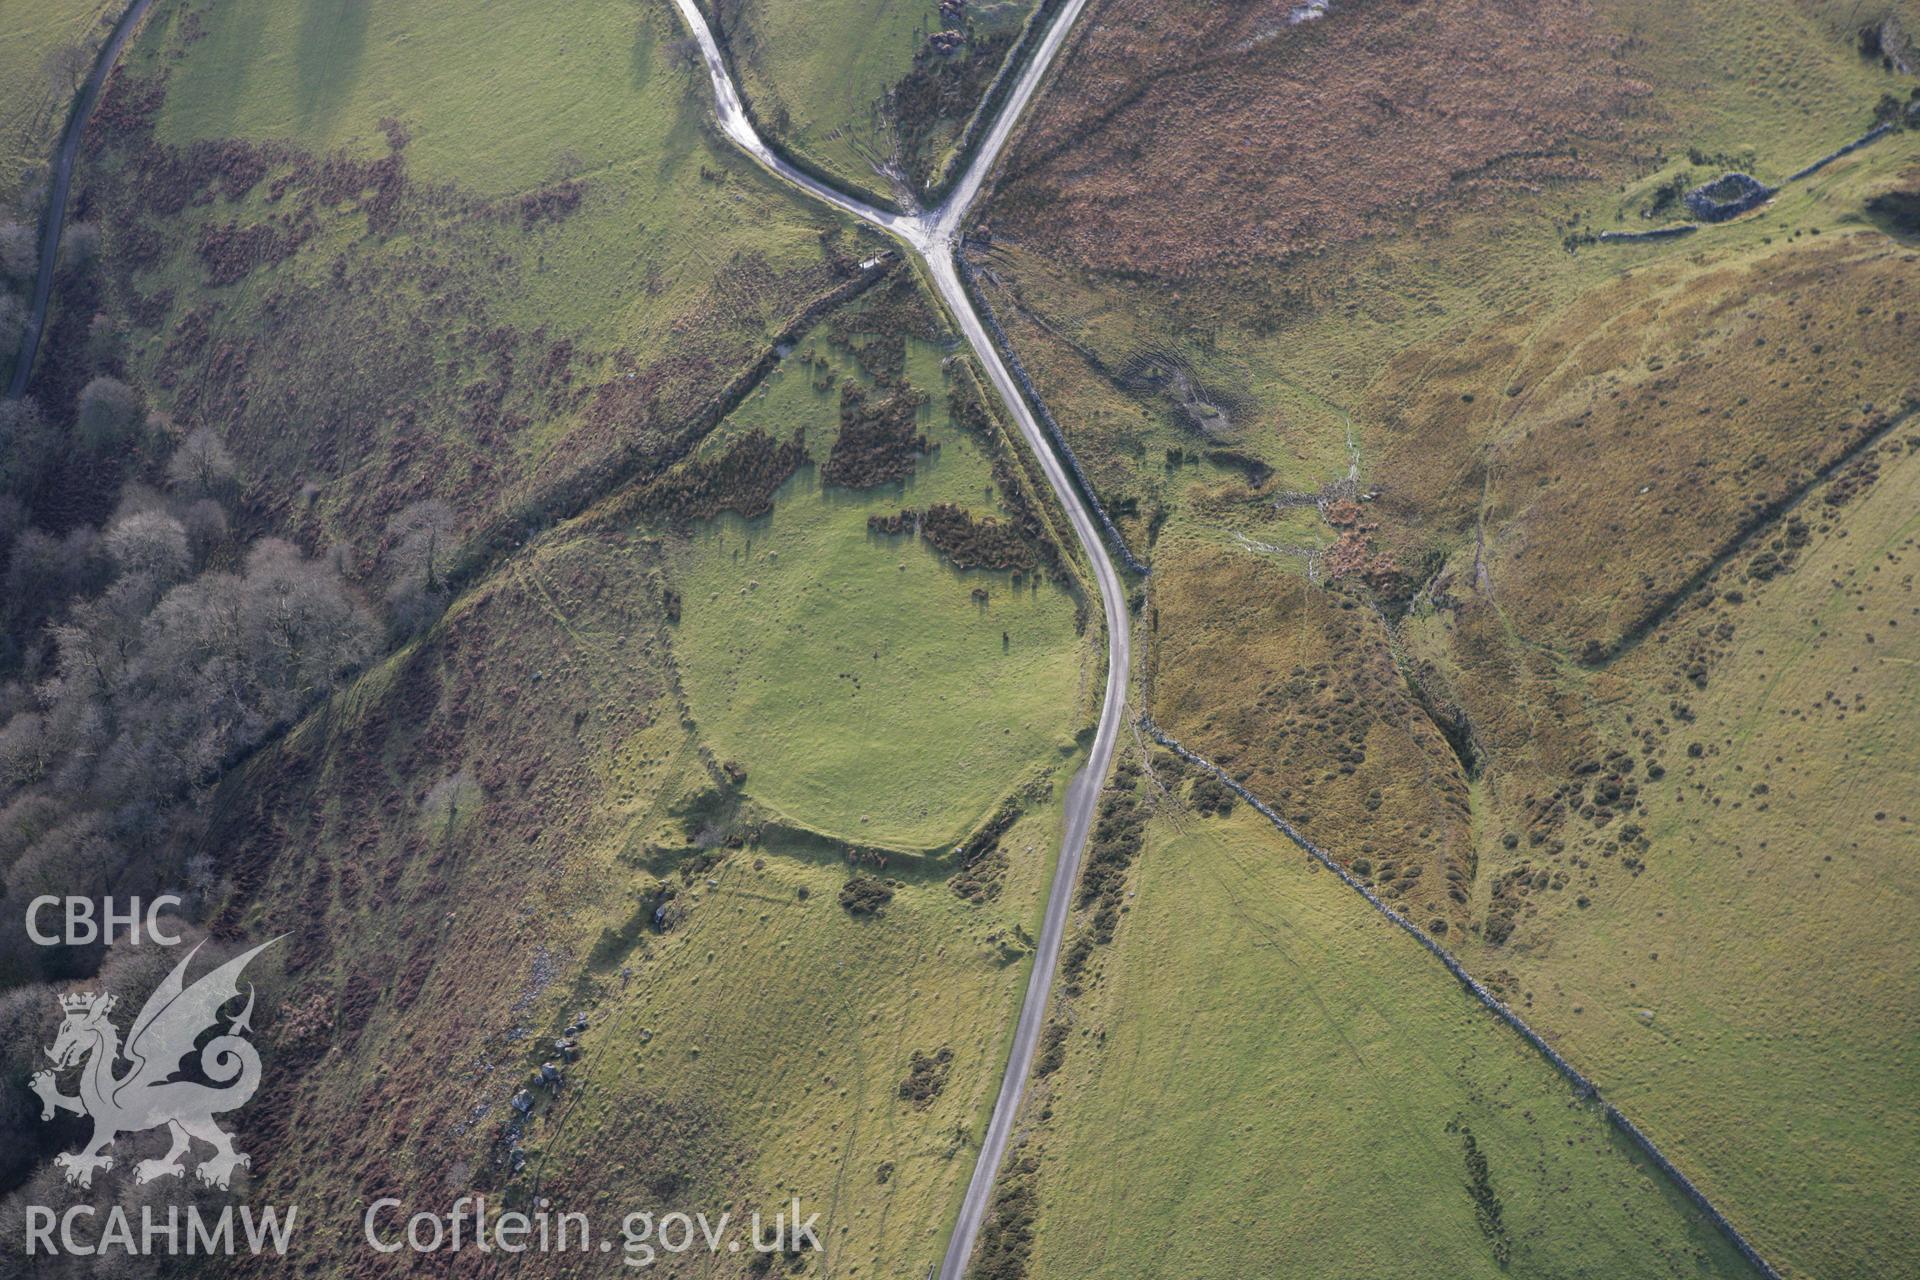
[{"x": 147, "y": 1095}]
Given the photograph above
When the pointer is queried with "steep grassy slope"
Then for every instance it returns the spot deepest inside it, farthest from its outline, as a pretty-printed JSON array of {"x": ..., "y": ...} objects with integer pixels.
[
  {"x": 1746, "y": 985},
  {"x": 512, "y": 822},
  {"x": 869, "y": 90},
  {"x": 494, "y": 106},
  {"x": 1680, "y": 498},
  {"x": 1455, "y": 508},
  {"x": 537, "y": 288},
  {"x": 1292, "y": 1091},
  {"x": 1642, "y": 429}
]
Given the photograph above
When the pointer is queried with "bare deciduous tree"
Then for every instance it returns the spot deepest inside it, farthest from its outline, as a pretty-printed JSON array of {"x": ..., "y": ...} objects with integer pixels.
[
  {"x": 448, "y": 801},
  {"x": 27, "y": 442},
  {"x": 65, "y": 66},
  {"x": 146, "y": 674},
  {"x": 108, "y": 412},
  {"x": 79, "y": 242},
  {"x": 422, "y": 539},
  {"x": 684, "y": 54},
  {"x": 151, "y": 543},
  {"x": 202, "y": 467},
  {"x": 19, "y": 250},
  {"x": 206, "y": 525},
  {"x": 105, "y": 341},
  {"x": 13, "y": 319}
]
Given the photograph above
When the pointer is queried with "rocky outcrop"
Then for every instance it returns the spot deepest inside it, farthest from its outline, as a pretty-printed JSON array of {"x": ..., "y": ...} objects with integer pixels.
[{"x": 1888, "y": 41}]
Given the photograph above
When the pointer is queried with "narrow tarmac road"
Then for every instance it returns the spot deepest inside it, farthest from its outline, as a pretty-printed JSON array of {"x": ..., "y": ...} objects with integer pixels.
[
  {"x": 56, "y": 217},
  {"x": 932, "y": 236}
]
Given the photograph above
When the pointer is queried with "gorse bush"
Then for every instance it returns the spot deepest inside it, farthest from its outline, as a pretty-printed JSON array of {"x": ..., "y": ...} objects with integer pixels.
[{"x": 865, "y": 895}]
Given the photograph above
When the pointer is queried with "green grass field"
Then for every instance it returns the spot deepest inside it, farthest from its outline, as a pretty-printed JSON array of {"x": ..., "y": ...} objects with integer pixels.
[
  {"x": 33, "y": 96},
  {"x": 872, "y": 699},
  {"x": 793, "y": 1023},
  {"x": 748, "y": 1049},
  {"x": 1284, "y": 1090},
  {"x": 496, "y": 101},
  {"x": 867, "y": 693},
  {"x": 821, "y": 77},
  {"x": 818, "y": 75},
  {"x": 1748, "y": 996},
  {"x": 501, "y": 107}
]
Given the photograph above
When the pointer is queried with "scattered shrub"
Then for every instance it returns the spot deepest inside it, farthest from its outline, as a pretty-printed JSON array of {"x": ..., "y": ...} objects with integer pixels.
[
  {"x": 1212, "y": 796},
  {"x": 1053, "y": 1049},
  {"x": 865, "y": 895},
  {"x": 1487, "y": 1209},
  {"x": 879, "y": 438},
  {"x": 926, "y": 1077}
]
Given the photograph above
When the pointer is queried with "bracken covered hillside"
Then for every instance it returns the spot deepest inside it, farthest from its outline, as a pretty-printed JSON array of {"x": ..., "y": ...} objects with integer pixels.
[
  {"x": 1516, "y": 564},
  {"x": 1188, "y": 139}
]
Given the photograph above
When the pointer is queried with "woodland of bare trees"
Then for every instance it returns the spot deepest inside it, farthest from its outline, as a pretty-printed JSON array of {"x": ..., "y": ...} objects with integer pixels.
[
  {"x": 153, "y": 632},
  {"x": 143, "y": 655},
  {"x": 142, "y": 651}
]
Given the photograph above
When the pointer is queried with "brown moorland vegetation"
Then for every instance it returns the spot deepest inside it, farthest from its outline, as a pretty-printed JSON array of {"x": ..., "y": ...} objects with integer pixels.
[
  {"x": 1295, "y": 691},
  {"x": 1622, "y": 445},
  {"x": 1527, "y": 489},
  {"x": 1194, "y": 139}
]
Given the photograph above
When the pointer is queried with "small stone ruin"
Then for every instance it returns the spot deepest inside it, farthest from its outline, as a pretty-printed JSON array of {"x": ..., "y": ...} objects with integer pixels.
[{"x": 1727, "y": 196}]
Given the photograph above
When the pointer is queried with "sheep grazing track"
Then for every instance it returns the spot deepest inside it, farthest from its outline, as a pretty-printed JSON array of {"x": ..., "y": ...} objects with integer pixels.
[{"x": 1582, "y": 1086}]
